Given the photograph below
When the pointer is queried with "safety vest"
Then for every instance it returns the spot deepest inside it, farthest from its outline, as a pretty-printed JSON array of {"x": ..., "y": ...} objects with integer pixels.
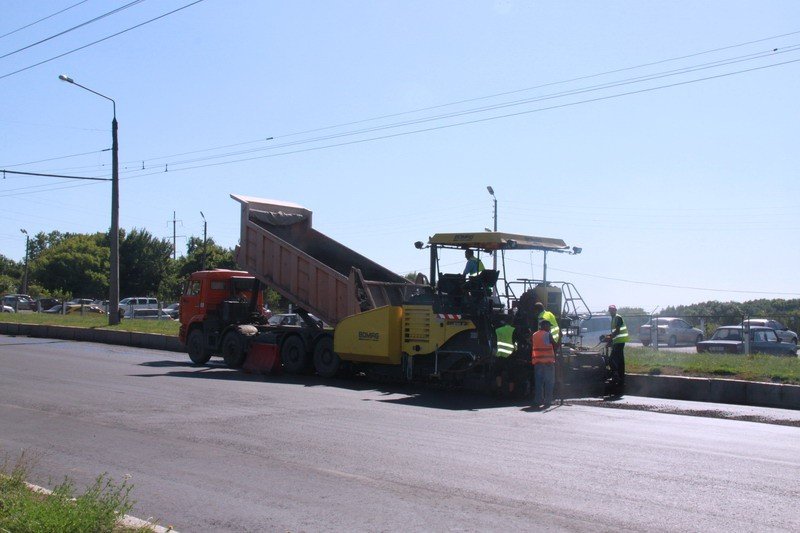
[
  {"x": 543, "y": 350},
  {"x": 550, "y": 317},
  {"x": 623, "y": 331},
  {"x": 505, "y": 341},
  {"x": 474, "y": 267}
]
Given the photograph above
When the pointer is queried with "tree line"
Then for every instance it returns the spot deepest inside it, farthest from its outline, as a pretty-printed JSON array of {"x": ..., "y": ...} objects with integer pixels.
[{"x": 76, "y": 265}]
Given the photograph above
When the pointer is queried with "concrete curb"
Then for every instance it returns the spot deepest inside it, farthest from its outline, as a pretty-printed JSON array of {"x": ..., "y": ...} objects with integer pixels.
[{"x": 669, "y": 387}]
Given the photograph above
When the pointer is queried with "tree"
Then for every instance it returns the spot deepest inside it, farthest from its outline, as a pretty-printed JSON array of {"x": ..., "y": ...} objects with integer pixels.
[
  {"x": 144, "y": 262},
  {"x": 215, "y": 256},
  {"x": 78, "y": 264}
]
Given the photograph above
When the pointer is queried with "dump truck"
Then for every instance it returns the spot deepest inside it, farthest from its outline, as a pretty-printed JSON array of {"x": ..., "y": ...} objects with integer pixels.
[{"x": 359, "y": 317}]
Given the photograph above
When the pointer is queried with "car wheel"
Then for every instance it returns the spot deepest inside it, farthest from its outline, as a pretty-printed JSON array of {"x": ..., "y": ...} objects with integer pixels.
[
  {"x": 672, "y": 341},
  {"x": 698, "y": 339},
  {"x": 294, "y": 357},
  {"x": 645, "y": 343},
  {"x": 326, "y": 362},
  {"x": 196, "y": 346},
  {"x": 233, "y": 349}
]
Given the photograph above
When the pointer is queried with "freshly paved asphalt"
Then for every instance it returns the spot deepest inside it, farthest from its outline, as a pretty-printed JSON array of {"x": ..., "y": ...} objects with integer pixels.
[{"x": 209, "y": 449}]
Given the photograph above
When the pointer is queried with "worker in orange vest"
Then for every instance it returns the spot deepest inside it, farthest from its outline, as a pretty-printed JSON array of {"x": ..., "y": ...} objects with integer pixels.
[{"x": 543, "y": 358}]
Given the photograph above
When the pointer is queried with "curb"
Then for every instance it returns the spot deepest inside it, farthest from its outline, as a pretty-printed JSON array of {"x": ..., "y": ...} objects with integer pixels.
[{"x": 728, "y": 391}]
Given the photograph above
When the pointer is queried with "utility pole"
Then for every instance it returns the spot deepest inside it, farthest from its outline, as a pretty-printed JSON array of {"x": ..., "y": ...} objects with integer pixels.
[
  {"x": 25, "y": 276},
  {"x": 205, "y": 240},
  {"x": 494, "y": 254}
]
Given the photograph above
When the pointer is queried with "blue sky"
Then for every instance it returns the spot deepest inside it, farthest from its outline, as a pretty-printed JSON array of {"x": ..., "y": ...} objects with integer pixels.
[{"x": 661, "y": 137}]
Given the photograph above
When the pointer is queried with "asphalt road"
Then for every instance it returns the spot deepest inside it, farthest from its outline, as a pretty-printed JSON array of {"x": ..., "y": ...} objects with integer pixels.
[{"x": 208, "y": 449}]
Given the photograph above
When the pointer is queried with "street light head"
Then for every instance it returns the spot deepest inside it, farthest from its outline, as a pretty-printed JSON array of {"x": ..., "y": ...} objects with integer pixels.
[
  {"x": 576, "y": 250},
  {"x": 64, "y": 77},
  {"x": 202, "y": 215},
  {"x": 24, "y": 232},
  {"x": 489, "y": 188}
]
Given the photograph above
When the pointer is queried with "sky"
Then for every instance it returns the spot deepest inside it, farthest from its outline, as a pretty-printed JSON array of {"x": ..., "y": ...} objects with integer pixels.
[{"x": 658, "y": 136}]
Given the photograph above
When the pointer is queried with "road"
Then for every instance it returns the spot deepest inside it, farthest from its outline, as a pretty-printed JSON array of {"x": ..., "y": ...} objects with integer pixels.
[{"x": 209, "y": 449}]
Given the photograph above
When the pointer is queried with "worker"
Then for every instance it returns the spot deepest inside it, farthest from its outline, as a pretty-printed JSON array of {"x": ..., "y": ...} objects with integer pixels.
[
  {"x": 617, "y": 339},
  {"x": 542, "y": 314},
  {"x": 543, "y": 358},
  {"x": 474, "y": 265}
]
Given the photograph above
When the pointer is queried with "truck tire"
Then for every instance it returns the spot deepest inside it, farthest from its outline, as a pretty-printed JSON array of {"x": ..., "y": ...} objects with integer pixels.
[
  {"x": 233, "y": 349},
  {"x": 196, "y": 347},
  {"x": 294, "y": 357},
  {"x": 326, "y": 362}
]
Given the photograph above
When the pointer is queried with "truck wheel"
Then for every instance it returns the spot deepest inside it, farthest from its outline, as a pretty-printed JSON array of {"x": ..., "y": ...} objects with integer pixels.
[
  {"x": 233, "y": 350},
  {"x": 326, "y": 362},
  {"x": 672, "y": 341},
  {"x": 196, "y": 347},
  {"x": 294, "y": 357}
]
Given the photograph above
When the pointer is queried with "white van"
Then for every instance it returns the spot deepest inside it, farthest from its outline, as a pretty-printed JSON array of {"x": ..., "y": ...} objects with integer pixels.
[{"x": 129, "y": 305}]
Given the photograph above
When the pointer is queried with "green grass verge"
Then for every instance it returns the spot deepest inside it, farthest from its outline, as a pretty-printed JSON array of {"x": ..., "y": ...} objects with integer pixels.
[
  {"x": 756, "y": 367},
  {"x": 95, "y": 510},
  {"x": 163, "y": 327}
]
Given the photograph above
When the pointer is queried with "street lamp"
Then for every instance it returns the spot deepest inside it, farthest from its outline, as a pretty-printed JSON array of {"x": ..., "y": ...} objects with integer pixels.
[
  {"x": 25, "y": 276},
  {"x": 205, "y": 227},
  {"x": 113, "y": 291},
  {"x": 494, "y": 254}
]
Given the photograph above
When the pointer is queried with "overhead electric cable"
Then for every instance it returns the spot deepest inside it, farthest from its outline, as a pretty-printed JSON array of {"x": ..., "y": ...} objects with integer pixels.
[
  {"x": 43, "y": 19},
  {"x": 56, "y": 158},
  {"x": 486, "y": 119},
  {"x": 101, "y": 40},
  {"x": 579, "y": 78},
  {"x": 4, "y": 172},
  {"x": 104, "y": 15}
]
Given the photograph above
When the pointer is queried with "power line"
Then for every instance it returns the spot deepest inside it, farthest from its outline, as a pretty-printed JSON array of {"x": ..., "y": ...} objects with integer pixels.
[
  {"x": 43, "y": 19},
  {"x": 51, "y": 175},
  {"x": 579, "y": 78},
  {"x": 104, "y": 15},
  {"x": 57, "y": 158},
  {"x": 485, "y": 119},
  {"x": 101, "y": 40}
]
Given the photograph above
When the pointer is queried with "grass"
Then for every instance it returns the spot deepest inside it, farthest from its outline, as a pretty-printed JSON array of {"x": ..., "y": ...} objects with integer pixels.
[
  {"x": 97, "y": 509},
  {"x": 754, "y": 367},
  {"x": 94, "y": 321}
]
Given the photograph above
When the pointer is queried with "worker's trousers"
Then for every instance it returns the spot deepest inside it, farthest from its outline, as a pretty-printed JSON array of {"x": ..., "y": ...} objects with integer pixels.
[{"x": 544, "y": 376}]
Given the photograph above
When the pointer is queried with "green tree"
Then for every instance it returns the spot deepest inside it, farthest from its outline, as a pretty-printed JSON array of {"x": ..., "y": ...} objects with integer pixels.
[
  {"x": 78, "y": 264},
  {"x": 215, "y": 256},
  {"x": 144, "y": 263}
]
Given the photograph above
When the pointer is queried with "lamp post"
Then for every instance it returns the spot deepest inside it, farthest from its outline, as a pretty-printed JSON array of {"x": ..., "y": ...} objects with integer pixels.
[
  {"x": 113, "y": 291},
  {"x": 205, "y": 227},
  {"x": 494, "y": 254},
  {"x": 25, "y": 275}
]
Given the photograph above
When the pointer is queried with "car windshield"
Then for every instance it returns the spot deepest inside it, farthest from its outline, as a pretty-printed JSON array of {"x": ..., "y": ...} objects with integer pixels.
[{"x": 727, "y": 334}]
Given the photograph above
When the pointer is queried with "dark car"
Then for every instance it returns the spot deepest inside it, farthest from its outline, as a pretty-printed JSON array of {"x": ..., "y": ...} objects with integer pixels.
[
  {"x": 673, "y": 331},
  {"x": 784, "y": 333},
  {"x": 20, "y": 302},
  {"x": 730, "y": 339},
  {"x": 47, "y": 303}
]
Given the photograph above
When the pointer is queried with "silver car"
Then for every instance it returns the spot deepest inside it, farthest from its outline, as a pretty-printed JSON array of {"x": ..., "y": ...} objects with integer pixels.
[
  {"x": 784, "y": 333},
  {"x": 673, "y": 331}
]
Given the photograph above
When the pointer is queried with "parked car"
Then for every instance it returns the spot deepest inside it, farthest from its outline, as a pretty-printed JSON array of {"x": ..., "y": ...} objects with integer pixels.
[
  {"x": 673, "y": 331},
  {"x": 76, "y": 309},
  {"x": 150, "y": 314},
  {"x": 288, "y": 319},
  {"x": 46, "y": 303},
  {"x": 128, "y": 305},
  {"x": 784, "y": 333},
  {"x": 730, "y": 339},
  {"x": 8, "y": 309},
  {"x": 20, "y": 302},
  {"x": 173, "y": 310},
  {"x": 590, "y": 329}
]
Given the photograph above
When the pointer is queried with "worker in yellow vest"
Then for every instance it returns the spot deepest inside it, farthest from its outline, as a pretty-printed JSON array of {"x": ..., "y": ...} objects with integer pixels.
[
  {"x": 617, "y": 339},
  {"x": 542, "y": 314},
  {"x": 543, "y": 358}
]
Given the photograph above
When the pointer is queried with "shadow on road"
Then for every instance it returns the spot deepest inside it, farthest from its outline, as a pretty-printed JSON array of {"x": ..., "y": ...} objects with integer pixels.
[{"x": 420, "y": 395}]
